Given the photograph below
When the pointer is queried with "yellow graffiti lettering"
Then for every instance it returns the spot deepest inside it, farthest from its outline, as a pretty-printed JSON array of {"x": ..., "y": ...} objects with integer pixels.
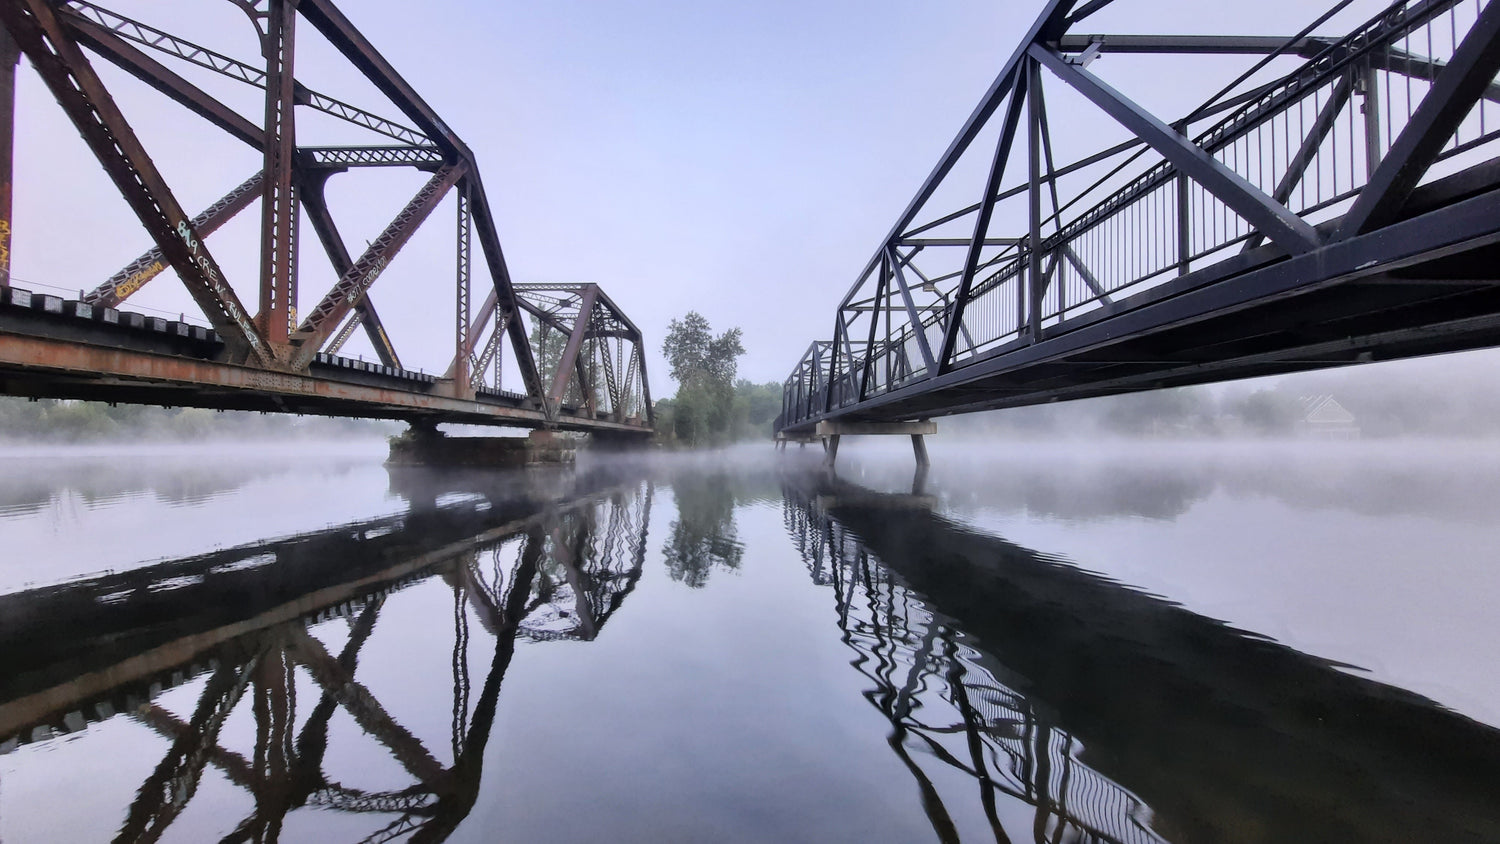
[{"x": 138, "y": 280}]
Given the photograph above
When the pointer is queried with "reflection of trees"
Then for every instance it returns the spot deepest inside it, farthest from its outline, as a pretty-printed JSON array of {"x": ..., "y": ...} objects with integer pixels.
[
  {"x": 704, "y": 535},
  {"x": 28, "y": 484},
  {"x": 561, "y": 573}
]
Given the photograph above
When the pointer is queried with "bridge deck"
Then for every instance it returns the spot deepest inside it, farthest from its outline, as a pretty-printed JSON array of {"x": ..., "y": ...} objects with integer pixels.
[
  {"x": 51, "y": 348},
  {"x": 1426, "y": 285}
]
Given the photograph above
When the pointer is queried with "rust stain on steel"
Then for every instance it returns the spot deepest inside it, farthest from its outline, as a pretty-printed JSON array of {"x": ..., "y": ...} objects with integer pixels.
[{"x": 98, "y": 363}]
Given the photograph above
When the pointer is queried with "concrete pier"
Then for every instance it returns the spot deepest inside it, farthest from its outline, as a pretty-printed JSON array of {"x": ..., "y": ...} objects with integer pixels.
[
  {"x": 421, "y": 446},
  {"x": 832, "y": 432}
]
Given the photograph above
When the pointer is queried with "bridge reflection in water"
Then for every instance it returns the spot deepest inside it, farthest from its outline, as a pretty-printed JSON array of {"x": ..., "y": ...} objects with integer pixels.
[
  {"x": 248, "y": 626},
  {"x": 1111, "y": 715}
]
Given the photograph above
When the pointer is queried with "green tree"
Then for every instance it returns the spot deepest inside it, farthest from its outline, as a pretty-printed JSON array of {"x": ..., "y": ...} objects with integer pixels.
[
  {"x": 704, "y": 367},
  {"x": 1270, "y": 412},
  {"x": 755, "y": 408}
]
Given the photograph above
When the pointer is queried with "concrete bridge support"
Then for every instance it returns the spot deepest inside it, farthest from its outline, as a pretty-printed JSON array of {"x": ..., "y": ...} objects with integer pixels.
[
  {"x": 832, "y": 432},
  {"x": 424, "y": 445}
]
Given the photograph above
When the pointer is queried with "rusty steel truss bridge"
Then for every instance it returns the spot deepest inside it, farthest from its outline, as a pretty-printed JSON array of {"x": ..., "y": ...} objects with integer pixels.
[
  {"x": 261, "y": 354},
  {"x": 1336, "y": 202}
]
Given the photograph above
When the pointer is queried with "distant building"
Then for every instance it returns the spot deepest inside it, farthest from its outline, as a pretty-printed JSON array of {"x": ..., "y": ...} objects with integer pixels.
[{"x": 1323, "y": 417}]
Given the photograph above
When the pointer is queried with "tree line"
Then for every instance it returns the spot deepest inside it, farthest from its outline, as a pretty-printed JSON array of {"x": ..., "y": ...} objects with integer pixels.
[
  {"x": 1410, "y": 398},
  {"x": 60, "y": 421},
  {"x": 712, "y": 406}
]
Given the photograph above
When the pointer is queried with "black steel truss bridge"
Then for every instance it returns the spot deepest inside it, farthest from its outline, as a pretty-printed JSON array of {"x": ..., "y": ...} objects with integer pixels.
[
  {"x": 262, "y": 354},
  {"x": 1334, "y": 203}
]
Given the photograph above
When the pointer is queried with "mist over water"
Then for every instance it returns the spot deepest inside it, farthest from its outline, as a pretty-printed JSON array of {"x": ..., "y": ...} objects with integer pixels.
[{"x": 1210, "y": 641}]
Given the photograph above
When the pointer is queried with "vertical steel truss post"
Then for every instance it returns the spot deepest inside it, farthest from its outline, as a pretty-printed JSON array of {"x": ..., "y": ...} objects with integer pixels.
[
  {"x": 462, "y": 346},
  {"x": 1034, "y": 202},
  {"x": 278, "y": 230},
  {"x": 10, "y": 55}
]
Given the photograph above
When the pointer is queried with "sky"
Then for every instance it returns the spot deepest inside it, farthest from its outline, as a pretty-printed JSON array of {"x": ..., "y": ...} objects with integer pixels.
[{"x": 743, "y": 160}]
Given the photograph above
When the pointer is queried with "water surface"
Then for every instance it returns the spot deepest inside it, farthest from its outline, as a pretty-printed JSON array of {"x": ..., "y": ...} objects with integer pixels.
[{"x": 1258, "y": 643}]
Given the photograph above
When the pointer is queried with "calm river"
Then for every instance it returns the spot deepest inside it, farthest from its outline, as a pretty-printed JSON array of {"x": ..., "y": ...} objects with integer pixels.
[{"x": 1049, "y": 643}]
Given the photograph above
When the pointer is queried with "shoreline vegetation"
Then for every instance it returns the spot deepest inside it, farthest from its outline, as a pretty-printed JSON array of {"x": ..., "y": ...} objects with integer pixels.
[{"x": 60, "y": 421}]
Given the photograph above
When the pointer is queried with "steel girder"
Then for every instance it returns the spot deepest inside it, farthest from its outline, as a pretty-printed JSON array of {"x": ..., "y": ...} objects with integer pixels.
[
  {"x": 1313, "y": 164},
  {"x": 58, "y": 37}
]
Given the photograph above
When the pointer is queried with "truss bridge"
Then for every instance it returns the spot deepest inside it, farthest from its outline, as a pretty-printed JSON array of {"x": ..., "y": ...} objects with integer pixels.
[
  {"x": 259, "y": 340},
  {"x": 1335, "y": 202}
]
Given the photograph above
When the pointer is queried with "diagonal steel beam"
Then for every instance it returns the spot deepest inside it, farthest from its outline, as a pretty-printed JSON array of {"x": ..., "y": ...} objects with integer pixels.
[
  {"x": 476, "y": 330},
  {"x": 67, "y": 73},
  {"x": 485, "y": 358},
  {"x": 1085, "y": 274},
  {"x": 315, "y": 203},
  {"x": 353, "y": 284},
  {"x": 1049, "y": 25},
  {"x": 575, "y": 343},
  {"x": 917, "y": 327},
  {"x": 982, "y": 220},
  {"x": 1286, "y": 229},
  {"x": 1468, "y": 74},
  {"x": 120, "y": 286},
  {"x": 172, "y": 784},
  {"x": 338, "y": 682},
  {"x": 1297, "y": 168}
]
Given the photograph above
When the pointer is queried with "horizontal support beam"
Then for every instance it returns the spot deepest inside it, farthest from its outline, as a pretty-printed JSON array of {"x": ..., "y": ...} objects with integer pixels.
[
  {"x": 840, "y": 428},
  {"x": 1249, "y": 45}
]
